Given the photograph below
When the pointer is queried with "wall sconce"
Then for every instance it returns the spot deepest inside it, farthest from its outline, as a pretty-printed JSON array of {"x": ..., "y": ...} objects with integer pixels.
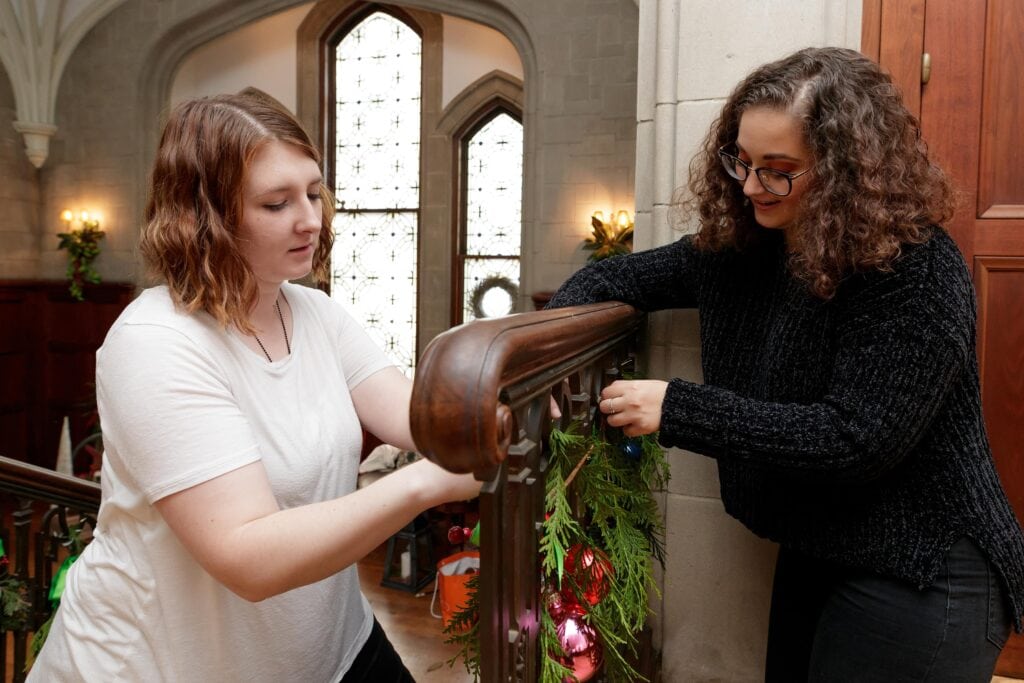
[
  {"x": 82, "y": 240},
  {"x": 609, "y": 237},
  {"x": 83, "y": 220}
]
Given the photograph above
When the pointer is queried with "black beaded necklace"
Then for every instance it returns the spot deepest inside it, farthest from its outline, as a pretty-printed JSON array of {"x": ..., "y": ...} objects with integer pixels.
[{"x": 277, "y": 305}]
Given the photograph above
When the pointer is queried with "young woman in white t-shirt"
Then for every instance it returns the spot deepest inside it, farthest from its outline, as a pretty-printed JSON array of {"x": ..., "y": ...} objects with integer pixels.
[{"x": 232, "y": 404}]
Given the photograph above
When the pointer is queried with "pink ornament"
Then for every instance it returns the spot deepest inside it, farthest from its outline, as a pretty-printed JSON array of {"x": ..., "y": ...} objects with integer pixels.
[{"x": 579, "y": 640}]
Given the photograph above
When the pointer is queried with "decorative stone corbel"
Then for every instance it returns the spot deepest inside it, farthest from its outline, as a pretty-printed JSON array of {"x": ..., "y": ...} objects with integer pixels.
[
  {"x": 37, "y": 140},
  {"x": 36, "y": 41}
]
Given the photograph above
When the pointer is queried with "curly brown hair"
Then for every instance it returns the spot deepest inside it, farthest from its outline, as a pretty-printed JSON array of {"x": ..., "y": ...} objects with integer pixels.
[
  {"x": 872, "y": 188},
  {"x": 190, "y": 240}
]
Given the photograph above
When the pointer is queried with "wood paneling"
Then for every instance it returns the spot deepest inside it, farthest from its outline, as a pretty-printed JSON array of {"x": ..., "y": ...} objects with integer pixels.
[
  {"x": 1000, "y": 285},
  {"x": 951, "y": 104},
  {"x": 1000, "y": 184},
  {"x": 902, "y": 35},
  {"x": 48, "y": 344},
  {"x": 871, "y": 28}
]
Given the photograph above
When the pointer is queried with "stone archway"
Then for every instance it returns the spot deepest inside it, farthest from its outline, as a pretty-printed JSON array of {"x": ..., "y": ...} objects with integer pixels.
[{"x": 170, "y": 49}]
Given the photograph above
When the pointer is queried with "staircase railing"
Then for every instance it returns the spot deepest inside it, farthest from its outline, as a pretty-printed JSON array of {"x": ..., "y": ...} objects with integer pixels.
[
  {"x": 42, "y": 512},
  {"x": 481, "y": 404}
]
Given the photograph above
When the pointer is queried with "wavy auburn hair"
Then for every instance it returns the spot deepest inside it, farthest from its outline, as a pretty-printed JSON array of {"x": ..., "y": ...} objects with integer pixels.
[
  {"x": 872, "y": 187},
  {"x": 194, "y": 211}
]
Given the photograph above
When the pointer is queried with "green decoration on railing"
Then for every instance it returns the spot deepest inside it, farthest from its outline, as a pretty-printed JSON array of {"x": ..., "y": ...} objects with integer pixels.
[
  {"x": 601, "y": 534},
  {"x": 57, "y": 585},
  {"x": 77, "y": 545},
  {"x": 15, "y": 608}
]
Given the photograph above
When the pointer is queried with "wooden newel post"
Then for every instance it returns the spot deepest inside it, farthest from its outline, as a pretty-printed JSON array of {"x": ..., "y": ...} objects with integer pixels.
[{"x": 480, "y": 404}]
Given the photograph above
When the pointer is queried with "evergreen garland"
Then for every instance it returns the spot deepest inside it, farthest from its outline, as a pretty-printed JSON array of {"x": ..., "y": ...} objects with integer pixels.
[
  {"x": 599, "y": 500},
  {"x": 83, "y": 247}
]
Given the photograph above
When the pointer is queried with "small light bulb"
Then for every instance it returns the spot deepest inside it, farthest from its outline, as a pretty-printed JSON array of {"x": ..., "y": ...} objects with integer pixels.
[
  {"x": 599, "y": 215},
  {"x": 623, "y": 219},
  {"x": 84, "y": 216}
]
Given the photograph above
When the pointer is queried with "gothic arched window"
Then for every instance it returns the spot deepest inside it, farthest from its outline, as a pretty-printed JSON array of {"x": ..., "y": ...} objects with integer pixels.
[
  {"x": 376, "y": 162},
  {"x": 491, "y": 194}
]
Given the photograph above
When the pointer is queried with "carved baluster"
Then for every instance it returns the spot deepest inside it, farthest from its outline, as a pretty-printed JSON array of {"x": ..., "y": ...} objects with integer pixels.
[{"x": 22, "y": 525}]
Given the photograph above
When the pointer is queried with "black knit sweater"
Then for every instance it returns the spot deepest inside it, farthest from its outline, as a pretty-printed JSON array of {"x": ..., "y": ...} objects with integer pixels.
[{"x": 850, "y": 429}]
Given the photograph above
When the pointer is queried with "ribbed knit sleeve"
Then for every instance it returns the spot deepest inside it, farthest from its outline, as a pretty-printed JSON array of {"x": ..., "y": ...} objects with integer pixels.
[
  {"x": 665, "y": 277},
  {"x": 850, "y": 429},
  {"x": 903, "y": 339}
]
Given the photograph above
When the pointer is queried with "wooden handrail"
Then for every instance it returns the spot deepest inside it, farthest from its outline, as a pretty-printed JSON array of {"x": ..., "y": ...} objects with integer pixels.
[
  {"x": 39, "y": 483},
  {"x": 457, "y": 418},
  {"x": 480, "y": 404}
]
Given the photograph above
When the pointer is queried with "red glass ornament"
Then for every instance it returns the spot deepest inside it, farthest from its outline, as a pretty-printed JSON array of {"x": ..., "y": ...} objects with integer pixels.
[
  {"x": 456, "y": 535},
  {"x": 592, "y": 571}
]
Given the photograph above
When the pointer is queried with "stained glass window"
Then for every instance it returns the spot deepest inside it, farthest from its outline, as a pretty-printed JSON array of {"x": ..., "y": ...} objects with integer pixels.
[
  {"x": 492, "y": 206},
  {"x": 377, "y": 180}
]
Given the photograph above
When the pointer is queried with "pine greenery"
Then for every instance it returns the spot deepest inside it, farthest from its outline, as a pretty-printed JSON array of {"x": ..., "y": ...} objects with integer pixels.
[{"x": 598, "y": 499}]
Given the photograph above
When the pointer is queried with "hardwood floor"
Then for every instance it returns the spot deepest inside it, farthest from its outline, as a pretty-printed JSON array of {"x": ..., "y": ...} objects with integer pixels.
[{"x": 406, "y": 619}]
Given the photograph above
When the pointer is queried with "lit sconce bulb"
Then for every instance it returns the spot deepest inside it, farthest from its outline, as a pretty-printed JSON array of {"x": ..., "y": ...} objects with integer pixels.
[
  {"x": 66, "y": 215},
  {"x": 599, "y": 215},
  {"x": 84, "y": 216},
  {"x": 623, "y": 219}
]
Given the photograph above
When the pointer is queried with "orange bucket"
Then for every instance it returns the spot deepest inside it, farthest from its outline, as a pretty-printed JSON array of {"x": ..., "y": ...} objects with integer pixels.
[{"x": 452, "y": 574}]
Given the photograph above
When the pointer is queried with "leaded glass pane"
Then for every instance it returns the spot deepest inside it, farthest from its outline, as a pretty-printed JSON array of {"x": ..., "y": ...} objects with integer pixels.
[
  {"x": 376, "y": 170},
  {"x": 377, "y": 115},
  {"x": 490, "y": 287},
  {"x": 374, "y": 273},
  {"x": 494, "y": 188}
]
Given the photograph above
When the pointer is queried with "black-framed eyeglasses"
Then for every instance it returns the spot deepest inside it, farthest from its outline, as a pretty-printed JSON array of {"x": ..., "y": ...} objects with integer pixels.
[{"x": 778, "y": 183}]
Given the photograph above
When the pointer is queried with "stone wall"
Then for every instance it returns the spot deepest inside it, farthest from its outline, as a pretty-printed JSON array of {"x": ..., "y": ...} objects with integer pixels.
[
  {"x": 580, "y": 102},
  {"x": 19, "y": 196}
]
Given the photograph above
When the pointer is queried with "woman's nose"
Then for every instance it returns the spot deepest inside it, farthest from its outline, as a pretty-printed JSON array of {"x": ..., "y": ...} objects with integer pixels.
[
  {"x": 752, "y": 185},
  {"x": 312, "y": 216}
]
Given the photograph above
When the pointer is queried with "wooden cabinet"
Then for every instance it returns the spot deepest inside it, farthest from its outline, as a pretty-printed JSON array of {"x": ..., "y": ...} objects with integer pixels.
[{"x": 48, "y": 345}]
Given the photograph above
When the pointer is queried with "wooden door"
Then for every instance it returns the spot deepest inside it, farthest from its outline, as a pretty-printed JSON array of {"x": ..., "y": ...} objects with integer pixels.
[{"x": 972, "y": 116}]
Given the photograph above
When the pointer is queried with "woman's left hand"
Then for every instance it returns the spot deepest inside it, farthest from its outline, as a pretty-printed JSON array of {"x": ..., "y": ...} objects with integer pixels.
[{"x": 634, "y": 405}]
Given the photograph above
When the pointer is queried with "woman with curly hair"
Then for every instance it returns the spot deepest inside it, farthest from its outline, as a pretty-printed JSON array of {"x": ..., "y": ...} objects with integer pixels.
[
  {"x": 233, "y": 405},
  {"x": 840, "y": 394}
]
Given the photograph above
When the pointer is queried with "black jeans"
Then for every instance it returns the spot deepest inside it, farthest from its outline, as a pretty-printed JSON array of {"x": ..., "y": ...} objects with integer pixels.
[
  {"x": 834, "y": 624},
  {"x": 377, "y": 662}
]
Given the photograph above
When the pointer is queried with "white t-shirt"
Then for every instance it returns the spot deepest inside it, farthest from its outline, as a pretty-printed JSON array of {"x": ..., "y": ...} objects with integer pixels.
[{"x": 182, "y": 401}]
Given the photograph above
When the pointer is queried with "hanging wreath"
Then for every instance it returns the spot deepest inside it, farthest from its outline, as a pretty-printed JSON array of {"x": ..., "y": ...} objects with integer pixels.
[
  {"x": 601, "y": 534},
  {"x": 476, "y": 300}
]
